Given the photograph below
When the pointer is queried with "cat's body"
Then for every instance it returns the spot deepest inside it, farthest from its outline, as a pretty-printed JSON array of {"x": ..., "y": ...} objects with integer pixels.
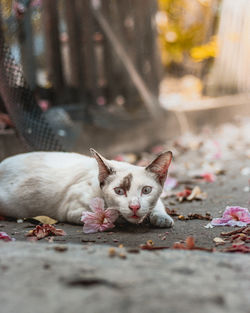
[{"x": 61, "y": 185}]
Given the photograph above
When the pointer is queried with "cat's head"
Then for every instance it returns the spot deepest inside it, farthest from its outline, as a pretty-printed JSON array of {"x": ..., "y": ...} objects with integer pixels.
[{"x": 132, "y": 190}]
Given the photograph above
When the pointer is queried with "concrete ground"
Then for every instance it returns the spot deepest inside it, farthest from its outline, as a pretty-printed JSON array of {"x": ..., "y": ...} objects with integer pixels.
[
  {"x": 41, "y": 278},
  {"x": 76, "y": 272}
]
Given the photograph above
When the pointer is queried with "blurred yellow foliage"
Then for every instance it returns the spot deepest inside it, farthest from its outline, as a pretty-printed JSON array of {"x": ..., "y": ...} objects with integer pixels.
[
  {"x": 209, "y": 50},
  {"x": 206, "y": 3},
  {"x": 6, "y": 7},
  {"x": 182, "y": 30}
]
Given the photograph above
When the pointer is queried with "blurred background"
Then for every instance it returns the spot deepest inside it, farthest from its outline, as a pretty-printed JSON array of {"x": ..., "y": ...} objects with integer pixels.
[{"x": 118, "y": 75}]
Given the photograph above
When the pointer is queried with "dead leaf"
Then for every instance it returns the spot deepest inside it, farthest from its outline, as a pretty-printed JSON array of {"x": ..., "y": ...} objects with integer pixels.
[
  {"x": 182, "y": 195},
  {"x": 181, "y": 217},
  {"x": 189, "y": 245},
  {"x": 239, "y": 238},
  {"x": 195, "y": 216},
  {"x": 237, "y": 248},
  {"x": 41, "y": 231},
  {"x": 191, "y": 194},
  {"x": 45, "y": 220},
  {"x": 219, "y": 241},
  {"x": 197, "y": 194},
  {"x": 245, "y": 230},
  {"x": 150, "y": 246},
  {"x": 190, "y": 242},
  {"x": 172, "y": 212},
  {"x": 112, "y": 252}
]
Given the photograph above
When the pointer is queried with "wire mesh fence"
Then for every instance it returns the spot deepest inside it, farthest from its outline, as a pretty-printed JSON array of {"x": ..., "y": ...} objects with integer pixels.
[{"x": 96, "y": 61}]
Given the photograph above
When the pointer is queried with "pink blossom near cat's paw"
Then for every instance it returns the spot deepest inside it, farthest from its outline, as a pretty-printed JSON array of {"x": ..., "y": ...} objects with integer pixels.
[
  {"x": 232, "y": 216},
  {"x": 100, "y": 219},
  {"x": 5, "y": 237}
]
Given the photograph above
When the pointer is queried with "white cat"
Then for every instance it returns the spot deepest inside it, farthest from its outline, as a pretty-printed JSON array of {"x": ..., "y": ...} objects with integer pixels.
[{"x": 61, "y": 185}]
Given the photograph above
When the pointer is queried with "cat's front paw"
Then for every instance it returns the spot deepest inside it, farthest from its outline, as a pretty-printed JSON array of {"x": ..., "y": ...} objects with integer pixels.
[{"x": 161, "y": 220}]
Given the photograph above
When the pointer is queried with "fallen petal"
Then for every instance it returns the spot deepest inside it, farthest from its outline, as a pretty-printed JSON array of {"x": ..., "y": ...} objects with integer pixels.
[
  {"x": 111, "y": 214},
  {"x": 96, "y": 204},
  {"x": 91, "y": 228},
  {"x": 100, "y": 219},
  {"x": 106, "y": 226},
  {"x": 41, "y": 231},
  {"x": 5, "y": 237},
  {"x": 218, "y": 241},
  {"x": 233, "y": 216}
]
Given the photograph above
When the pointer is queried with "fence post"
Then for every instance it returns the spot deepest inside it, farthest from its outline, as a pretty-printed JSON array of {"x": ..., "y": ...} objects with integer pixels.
[
  {"x": 25, "y": 37},
  {"x": 52, "y": 42},
  {"x": 73, "y": 27}
]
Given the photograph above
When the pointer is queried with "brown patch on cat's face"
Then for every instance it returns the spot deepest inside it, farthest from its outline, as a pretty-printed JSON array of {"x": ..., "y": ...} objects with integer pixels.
[{"x": 126, "y": 183}]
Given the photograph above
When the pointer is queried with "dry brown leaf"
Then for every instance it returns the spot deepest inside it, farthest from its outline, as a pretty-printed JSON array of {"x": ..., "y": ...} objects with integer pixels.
[
  {"x": 45, "y": 220},
  {"x": 219, "y": 241},
  {"x": 197, "y": 194},
  {"x": 45, "y": 230},
  {"x": 189, "y": 245},
  {"x": 195, "y": 216}
]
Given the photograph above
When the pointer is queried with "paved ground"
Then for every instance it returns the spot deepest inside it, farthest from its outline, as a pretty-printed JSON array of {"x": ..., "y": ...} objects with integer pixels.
[{"x": 40, "y": 277}]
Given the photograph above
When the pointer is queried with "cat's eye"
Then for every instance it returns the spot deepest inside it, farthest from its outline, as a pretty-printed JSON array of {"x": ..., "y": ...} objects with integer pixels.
[
  {"x": 146, "y": 190},
  {"x": 119, "y": 191}
]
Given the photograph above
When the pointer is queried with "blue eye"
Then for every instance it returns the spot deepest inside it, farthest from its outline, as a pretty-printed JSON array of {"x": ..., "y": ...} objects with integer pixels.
[
  {"x": 146, "y": 190},
  {"x": 119, "y": 191}
]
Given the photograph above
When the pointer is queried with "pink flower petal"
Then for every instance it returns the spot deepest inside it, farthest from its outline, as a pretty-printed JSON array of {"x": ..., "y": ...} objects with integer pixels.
[
  {"x": 237, "y": 213},
  {"x": 5, "y": 237},
  {"x": 96, "y": 204},
  {"x": 90, "y": 217},
  {"x": 91, "y": 228},
  {"x": 233, "y": 216},
  {"x": 100, "y": 219},
  {"x": 106, "y": 226},
  {"x": 220, "y": 221},
  {"x": 111, "y": 214},
  {"x": 237, "y": 223}
]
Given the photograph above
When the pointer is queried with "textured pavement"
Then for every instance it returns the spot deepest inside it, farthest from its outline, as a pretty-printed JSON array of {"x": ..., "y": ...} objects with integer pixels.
[{"x": 39, "y": 278}]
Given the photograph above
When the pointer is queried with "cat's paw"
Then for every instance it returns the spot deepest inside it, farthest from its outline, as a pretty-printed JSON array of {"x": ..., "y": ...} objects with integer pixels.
[{"x": 161, "y": 220}]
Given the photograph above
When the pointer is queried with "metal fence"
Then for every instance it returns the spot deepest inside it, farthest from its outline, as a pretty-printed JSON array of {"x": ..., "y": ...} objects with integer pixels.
[{"x": 96, "y": 60}]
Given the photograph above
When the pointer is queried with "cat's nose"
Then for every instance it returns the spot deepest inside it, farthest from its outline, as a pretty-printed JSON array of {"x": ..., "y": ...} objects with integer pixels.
[{"x": 134, "y": 207}]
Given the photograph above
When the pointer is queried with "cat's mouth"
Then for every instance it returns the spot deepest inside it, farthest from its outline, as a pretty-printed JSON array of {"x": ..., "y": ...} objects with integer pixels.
[
  {"x": 134, "y": 216},
  {"x": 138, "y": 219}
]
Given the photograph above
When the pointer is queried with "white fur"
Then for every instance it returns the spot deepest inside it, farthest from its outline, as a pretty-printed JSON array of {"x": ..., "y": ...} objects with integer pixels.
[{"x": 61, "y": 185}]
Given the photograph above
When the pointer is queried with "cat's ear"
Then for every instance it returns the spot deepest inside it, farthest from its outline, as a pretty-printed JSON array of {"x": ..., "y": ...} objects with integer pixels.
[
  {"x": 160, "y": 166},
  {"x": 104, "y": 169}
]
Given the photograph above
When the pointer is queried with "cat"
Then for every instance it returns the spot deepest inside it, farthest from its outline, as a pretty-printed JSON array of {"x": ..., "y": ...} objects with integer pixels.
[{"x": 61, "y": 185}]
